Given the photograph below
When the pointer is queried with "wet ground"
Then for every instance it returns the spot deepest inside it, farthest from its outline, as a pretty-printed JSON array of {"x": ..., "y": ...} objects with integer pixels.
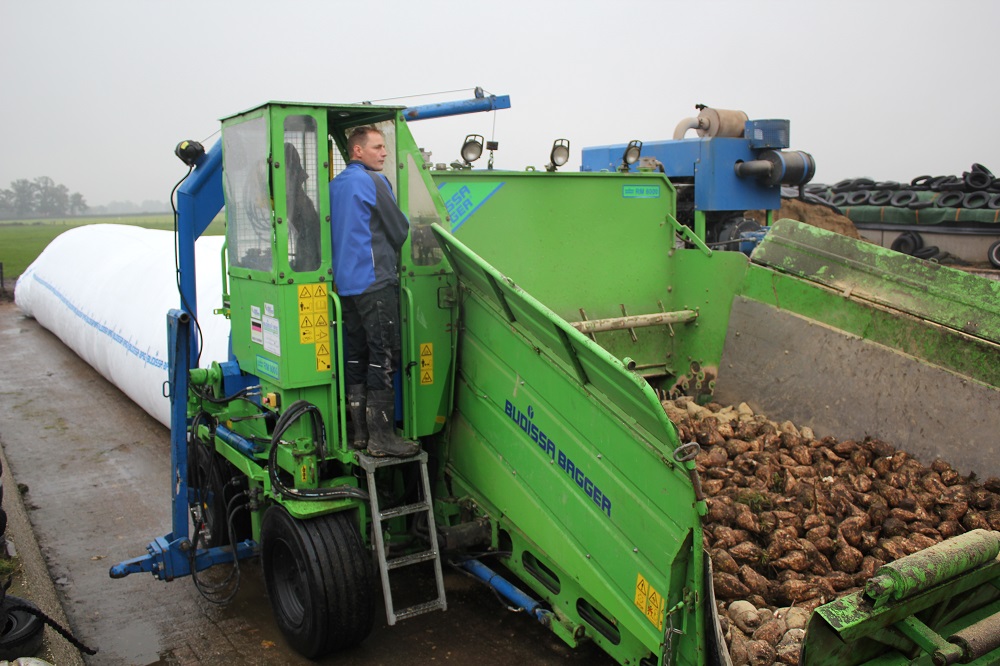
[{"x": 97, "y": 468}]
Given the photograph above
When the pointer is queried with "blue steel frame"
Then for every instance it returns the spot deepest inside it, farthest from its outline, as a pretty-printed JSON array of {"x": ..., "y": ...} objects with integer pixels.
[{"x": 199, "y": 200}]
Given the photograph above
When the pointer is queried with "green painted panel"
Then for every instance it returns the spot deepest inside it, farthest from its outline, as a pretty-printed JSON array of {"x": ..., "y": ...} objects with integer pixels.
[
  {"x": 557, "y": 438},
  {"x": 582, "y": 243}
]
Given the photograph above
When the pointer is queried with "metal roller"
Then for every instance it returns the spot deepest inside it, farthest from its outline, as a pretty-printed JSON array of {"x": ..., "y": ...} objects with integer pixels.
[
  {"x": 932, "y": 566},
  {"x": 979, "y": 639}
]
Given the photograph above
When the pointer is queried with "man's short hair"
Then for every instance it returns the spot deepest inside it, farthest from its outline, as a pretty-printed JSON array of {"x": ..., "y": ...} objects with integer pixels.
[{"x": 359, "y": 137}]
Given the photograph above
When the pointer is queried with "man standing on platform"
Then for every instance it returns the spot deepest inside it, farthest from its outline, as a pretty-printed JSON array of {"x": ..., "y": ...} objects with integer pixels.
[{"x": 369, "y": 230}]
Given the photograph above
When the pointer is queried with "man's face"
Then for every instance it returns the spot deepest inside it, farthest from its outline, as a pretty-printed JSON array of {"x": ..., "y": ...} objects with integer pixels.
[{"x": 372, "y": 153}]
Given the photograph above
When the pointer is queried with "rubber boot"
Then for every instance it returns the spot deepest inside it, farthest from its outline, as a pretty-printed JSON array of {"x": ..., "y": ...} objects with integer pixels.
[
  {"x": 357, "y": 398},
  {"x": 382, "y": 438}
]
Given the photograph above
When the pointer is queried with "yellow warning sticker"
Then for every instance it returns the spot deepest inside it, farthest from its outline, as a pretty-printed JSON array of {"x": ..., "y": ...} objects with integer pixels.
[
  {"x": 427, "y": 363},
  {"x": 314, "y": 326},
  {"x": 323, "y": 363},
  {"x": 649, "y": 601}
]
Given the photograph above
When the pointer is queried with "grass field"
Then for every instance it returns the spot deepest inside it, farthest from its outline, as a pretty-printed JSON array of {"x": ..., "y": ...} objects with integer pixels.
[{"x": 23, "y": 240}]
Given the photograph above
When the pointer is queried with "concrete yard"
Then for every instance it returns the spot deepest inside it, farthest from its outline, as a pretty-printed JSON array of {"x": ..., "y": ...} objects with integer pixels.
[{"x": 96, "y": 470}]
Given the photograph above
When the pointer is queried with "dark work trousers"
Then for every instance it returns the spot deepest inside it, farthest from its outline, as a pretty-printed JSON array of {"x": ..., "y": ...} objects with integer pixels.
[{"x": 371, "y": 335}]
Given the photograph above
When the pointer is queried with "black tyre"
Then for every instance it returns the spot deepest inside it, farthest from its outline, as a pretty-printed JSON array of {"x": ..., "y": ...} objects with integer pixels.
[
  {"x": 993, "y": 254},
  {"x": 974, "y": 200},
  {"x": 949, "y": 200},
  {"x": 880, "y": 198},
  {"x": 839, "y": 199},
  {"x": 951, "y": 184},
  {"x": 977, "y": 180},
  {"x": 903, "y": 198},
  {"x": 319, "y": 580},
  {"x": 994, "y": 203},
  {"x": 858, "y": 198},
  {"x": 979, "y": 168},
  {"x": 22, "y": 634},
  {"x": 927, "y": 252},
  {"x": 907, "y": 242}
]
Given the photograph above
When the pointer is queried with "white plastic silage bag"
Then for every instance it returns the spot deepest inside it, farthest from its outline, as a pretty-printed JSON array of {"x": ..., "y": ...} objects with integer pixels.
[{"x": 105, "y": 291}]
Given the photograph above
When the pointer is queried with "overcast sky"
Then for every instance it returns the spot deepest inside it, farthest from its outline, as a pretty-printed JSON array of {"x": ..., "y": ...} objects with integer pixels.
[{"x": 96, "y": 94}]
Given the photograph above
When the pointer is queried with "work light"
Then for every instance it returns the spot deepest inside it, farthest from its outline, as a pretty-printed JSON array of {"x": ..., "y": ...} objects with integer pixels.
[
  {"x": 559, "y": 155},
  {"x": 631, "y": 154},
  {"x": 472, "y": 149}
]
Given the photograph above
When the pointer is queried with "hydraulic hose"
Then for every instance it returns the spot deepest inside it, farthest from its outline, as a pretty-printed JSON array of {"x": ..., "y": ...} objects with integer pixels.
[{"x": 294, "y": 412}]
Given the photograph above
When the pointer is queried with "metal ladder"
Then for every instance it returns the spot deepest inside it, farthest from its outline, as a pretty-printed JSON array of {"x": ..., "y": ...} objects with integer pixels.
[{"x": 370, "y": 464}]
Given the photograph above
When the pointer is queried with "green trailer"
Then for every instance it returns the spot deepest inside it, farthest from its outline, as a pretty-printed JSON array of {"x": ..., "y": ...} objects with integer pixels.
[{"x": 544, "y": 315}]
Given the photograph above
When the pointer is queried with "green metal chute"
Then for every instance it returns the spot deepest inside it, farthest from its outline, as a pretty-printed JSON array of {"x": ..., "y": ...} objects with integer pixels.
[
  {"x": 559, "y": 441},
  {"x": 854, "y": 340}
]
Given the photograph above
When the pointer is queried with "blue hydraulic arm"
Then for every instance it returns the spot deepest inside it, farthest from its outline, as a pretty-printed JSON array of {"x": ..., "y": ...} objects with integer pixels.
[
  {"x": 199, "y": 200},
  {"x": 476, "y": 105}
]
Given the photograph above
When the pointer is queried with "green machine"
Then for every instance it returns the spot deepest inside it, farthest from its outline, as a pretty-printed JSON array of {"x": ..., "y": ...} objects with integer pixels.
[{"x": 543, "y": 315}]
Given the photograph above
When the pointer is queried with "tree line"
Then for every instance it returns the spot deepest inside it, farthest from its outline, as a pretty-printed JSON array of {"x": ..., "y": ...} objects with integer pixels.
[{"x": 40, "y": 197}]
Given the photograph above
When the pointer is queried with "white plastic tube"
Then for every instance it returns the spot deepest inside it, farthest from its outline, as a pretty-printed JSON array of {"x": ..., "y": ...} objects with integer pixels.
[{"x": 105, "y": 290}]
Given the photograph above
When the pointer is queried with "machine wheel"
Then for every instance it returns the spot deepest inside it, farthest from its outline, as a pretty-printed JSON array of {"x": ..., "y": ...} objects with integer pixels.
[
  {"x": 319, "y": 580},
  {"x": 21, "y": 635},
  {"x": 994, "y": 254}
]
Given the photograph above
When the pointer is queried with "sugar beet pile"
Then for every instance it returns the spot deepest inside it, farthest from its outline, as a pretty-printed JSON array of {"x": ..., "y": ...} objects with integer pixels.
[{"x": 794, "y": 521}]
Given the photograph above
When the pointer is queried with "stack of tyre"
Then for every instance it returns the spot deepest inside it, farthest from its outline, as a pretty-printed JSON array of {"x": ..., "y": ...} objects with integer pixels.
[{"x": 975, "y": 189}]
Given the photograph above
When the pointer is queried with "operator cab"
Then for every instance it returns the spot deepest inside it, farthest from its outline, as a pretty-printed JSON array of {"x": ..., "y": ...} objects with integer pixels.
[{"x": 278, "y": 161}]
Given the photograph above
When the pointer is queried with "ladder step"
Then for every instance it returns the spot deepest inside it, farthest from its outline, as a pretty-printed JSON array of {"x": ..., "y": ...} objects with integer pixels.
[
  {"x": 420, "y": 609},
  {"x": 404, "y": 510},
  {"x": 413, "y": 558},
  {"x": 371, "y": 463}
]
